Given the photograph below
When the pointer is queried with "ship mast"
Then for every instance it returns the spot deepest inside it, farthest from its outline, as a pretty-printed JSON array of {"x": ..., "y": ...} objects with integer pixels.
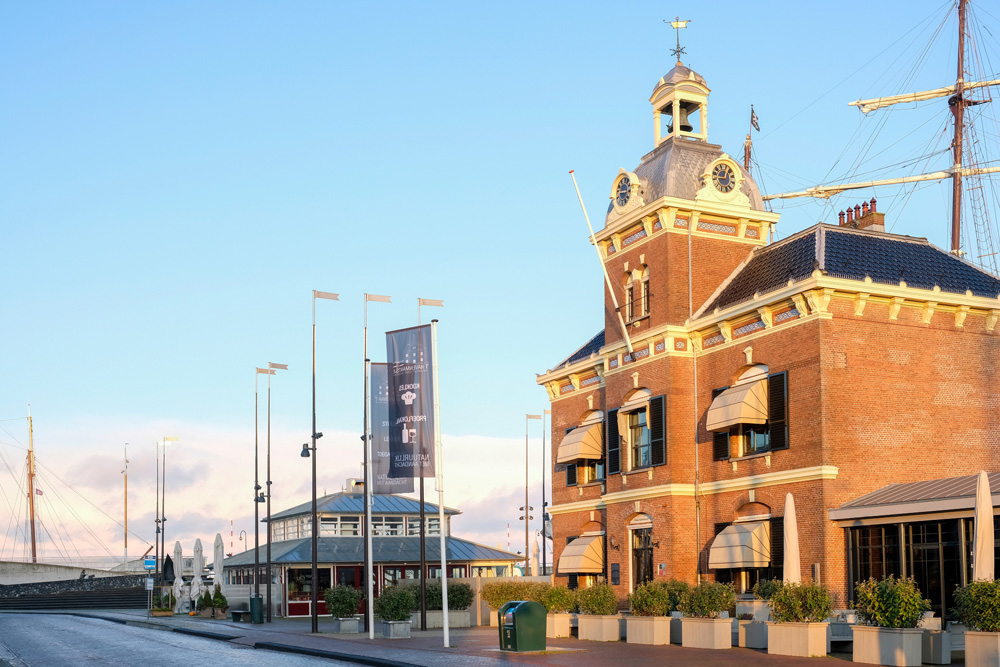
[
  {"x": 31, "y": 486},
  {"x": 957, "y": 104}
]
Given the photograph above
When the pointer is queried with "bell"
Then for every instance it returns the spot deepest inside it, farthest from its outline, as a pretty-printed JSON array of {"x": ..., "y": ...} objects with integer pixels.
[{"x": 685, "y": 123}]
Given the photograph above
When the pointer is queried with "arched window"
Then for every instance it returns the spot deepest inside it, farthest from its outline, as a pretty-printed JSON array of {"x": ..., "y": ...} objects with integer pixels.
[{"x": 645, "y": 291}]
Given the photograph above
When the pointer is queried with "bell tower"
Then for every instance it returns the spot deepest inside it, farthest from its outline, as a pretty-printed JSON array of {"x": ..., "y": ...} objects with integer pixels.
[{"x": 680, "y": 106}]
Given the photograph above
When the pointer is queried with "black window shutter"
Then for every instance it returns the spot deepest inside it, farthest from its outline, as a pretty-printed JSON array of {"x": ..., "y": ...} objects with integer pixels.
[
  {"x": 657, "y": 431},
  {"x": 777, "y": 410},
  {"x": 720, "y": 439},
  {"x": 720, "y": 445},
  {"x": 571, "y": 474},
  {"x": 614, "y": 444},
  {"x": 777, "y": 542},
  {"x": 572, "y": 581}
]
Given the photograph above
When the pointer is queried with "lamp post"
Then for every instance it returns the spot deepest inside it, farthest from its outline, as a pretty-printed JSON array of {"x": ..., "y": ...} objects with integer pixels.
[
  {"x": 163, "y": 499},
  {"x": 243, "y": 539},
  {"x": 545, "y": 515},
  {"x": 258, "y": 497},
  {"x": 305, "y": 452},
  {"x": 272, "y": 367},
  {"x": 527, "y": 508}
]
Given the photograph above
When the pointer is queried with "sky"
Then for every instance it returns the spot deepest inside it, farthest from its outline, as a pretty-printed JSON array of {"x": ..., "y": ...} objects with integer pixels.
[{"x": 177, "y": 177}]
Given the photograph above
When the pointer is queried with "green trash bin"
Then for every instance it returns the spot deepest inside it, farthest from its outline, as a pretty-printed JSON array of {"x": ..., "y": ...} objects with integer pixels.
[
  {"x": 256, "y": 609},
  {"x": 522, "y": 626}
]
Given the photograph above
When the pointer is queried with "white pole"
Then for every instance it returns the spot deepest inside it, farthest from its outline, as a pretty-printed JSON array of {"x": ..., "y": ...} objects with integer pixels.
[
  {"x": 439, "y": 470},
  {"x": 368, "y": 507}
]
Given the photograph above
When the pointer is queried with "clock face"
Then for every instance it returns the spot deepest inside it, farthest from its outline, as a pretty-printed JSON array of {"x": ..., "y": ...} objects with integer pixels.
[
  {"x": 622, "y": 191},
  {"x": 723, "y": 177}
]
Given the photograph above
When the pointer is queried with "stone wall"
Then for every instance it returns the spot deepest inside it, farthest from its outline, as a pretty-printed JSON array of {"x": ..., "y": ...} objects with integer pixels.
[{"x": 55, "y": 587}]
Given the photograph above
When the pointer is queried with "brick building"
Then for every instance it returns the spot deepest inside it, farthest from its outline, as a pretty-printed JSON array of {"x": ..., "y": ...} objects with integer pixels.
[{"x": 730, "y": 371}]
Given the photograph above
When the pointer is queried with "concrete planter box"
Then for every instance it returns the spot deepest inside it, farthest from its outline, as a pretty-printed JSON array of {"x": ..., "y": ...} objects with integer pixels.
[
  {"x": 221, "y": 613},
  {"x": 751, "y": 634},
  {"x": 557, "y": 625},
  {"x": 599, "y": 628},
  {"x": 648, "y": 630},
  {"x": 935, "y": 647},
  {"x": 351, "y": 625},
  {"x": 899, "y": 647},
  {"x": 205, "y": 613},
  {"x": 706, "y": 632},
  {"x": 982, "y": 648},
  {"x": 396, "y": 629},
  {"x": 802, "y": 639},
  {"x": 435, "y": 619},
  {"x": 761, "y": 609}
]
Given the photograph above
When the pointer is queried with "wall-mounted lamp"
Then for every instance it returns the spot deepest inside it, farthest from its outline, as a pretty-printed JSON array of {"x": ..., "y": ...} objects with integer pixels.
[{"x": 613, "y": 543}]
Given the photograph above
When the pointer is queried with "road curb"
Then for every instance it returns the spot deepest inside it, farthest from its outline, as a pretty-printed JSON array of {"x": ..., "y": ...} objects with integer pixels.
[
  {"x": 206, "y": 634},
  {"x": 320, "y": 653}
]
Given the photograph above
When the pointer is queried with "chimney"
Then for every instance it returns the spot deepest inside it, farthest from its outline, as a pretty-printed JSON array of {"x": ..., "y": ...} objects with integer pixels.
[{"x": 864, "y": 216}]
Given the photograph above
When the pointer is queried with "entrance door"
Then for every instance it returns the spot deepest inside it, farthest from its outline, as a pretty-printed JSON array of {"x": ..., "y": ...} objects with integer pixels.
[
  {"x": 353, "y": 576},
  {"x": 642, "y": 556}
]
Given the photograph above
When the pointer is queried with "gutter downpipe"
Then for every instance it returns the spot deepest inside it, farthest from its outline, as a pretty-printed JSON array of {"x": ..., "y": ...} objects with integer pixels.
[{"x": 694, "y": 368}]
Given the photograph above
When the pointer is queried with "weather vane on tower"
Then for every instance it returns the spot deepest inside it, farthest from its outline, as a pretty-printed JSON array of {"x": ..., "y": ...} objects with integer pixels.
[{"x": 677, "y": 24}]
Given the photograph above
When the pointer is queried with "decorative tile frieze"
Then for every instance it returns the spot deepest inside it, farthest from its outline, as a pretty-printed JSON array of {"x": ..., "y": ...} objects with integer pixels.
[
  {"x": 786, "y": 315},
  {"x": 753, "y": 233},
  {"x": 680, "y": 344},
  {"x": 716, "y": 227},
  {"x": 632, "y": 238},
  {"x": 711, "y": 341},
  {"x": 681, "y": 222},
  {"x": 748, "y": 328}
]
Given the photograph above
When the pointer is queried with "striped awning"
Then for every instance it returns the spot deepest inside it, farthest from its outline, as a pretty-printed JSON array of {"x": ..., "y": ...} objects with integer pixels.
[
  {"x": 742, "y": 404},
  {"x": 584, "y": 555},
  {"x": 742, "y": 545},
  {"x": 584, "y": 442}
]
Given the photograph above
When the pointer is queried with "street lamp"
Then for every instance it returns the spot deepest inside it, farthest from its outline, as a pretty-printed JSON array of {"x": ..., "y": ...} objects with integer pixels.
[
  {"x": 272, "y": 367},
  {"x": 527, "y": 508},
  {"x": 243, "y": 536},
  {"x": 162, "y": 528},
  {"x": 258, "y": 497},
  {"x": 545, "y": 515},
  {"x": 330, "y": 296}
]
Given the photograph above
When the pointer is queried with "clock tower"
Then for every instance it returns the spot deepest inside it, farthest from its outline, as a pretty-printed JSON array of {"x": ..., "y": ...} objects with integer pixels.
[{"x": 687, "y": 211}]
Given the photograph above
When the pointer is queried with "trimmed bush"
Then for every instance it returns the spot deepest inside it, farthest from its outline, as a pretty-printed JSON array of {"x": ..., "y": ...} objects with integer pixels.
[
  {"x": 557, "y": 599},
  {"x": 498, "y": 593},
  {"x": 219, "y": 600},
  {"x": 599, "y": 600},
  {"x": 460, "y": 595},
  {"x": 708, "y": 599},
  {"x": 343, "y": 601},
  {"x": 205, "y": 601},
  {"x": 394, "y": 604},
  {"x": 978, "y": 606},
  {"x": 765, "y": 589},
  {"x": 657, "y": 598},
  {"x": 798, "y": 603},
  {"x": 890, "y": 603}
]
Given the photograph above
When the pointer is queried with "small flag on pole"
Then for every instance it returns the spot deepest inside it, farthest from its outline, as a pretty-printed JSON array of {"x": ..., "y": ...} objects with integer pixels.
[
  {"x": 533, "y": 416},
  {"x": 376, "y": 297},
  {"x": 38, "y": 492},
  {"x": 753, "y": 119},
  {"x": 265, "y": 371},
  {"x": 280, "y": 367},
  {"x": 326, "y": 295},
  {"x": 431, "y": 302}
]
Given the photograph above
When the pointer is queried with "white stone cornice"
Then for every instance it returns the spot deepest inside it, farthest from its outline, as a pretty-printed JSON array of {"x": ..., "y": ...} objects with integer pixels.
[
  {"x": 860, "y": 300},
  {"x": 960, "y": 313}
]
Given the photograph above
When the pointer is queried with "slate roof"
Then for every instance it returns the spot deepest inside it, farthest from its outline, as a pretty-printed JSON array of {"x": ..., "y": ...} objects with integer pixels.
[
  {"x": 592, "y": 346},
  {"x": 674, "y": 169},
  {"x": 384, "y": 550},
  {"x": 853, "y": 254},
  {"x": 353, "y": 503}
]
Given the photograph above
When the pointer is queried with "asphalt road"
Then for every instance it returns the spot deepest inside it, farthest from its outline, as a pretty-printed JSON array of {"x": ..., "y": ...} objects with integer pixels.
[{"x": 49, "y": 640}]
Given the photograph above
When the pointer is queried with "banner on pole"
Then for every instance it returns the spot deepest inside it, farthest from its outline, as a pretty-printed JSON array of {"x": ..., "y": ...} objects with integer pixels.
[
  {"x": 411, "y": 402},
  {"x": 379, "y": 410}
]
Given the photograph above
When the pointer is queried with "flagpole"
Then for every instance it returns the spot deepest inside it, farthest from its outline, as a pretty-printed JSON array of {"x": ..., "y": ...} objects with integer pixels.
[
  {"x": 423, "y": 517},
  {"x": 439, "y": 470},
  {"x": 369, "y": 619}
]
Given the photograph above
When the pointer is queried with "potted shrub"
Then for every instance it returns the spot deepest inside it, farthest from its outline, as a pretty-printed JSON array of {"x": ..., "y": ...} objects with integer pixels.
[
  {"x": 163, "y": 605},
  {"x": 890, "y": 610},
  {"x": 559, "y": 602},
  {"x": 342, "y": 603},
  {"x": 800, "y": 613},
  {"x": 977, "y": 606},
  {"x": 220, "y": 604},
  {"x": 703, "y": 624},
  {"x": 460, "y": 598},
  {"x": 598, "y": 620},
  {"x": 394, "y": 606},
  {"x": 651, "y": 605},
  {"x": 205, "y": 605}
]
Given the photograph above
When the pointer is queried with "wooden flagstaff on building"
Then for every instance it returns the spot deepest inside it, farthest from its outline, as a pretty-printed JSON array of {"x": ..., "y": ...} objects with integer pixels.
[{"x": 607, "y": 278}]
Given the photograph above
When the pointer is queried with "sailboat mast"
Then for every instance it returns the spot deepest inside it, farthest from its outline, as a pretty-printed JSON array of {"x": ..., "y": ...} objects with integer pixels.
[
  {"x": 31, "y": 486},
  {"x": 957, "y": 104}
]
